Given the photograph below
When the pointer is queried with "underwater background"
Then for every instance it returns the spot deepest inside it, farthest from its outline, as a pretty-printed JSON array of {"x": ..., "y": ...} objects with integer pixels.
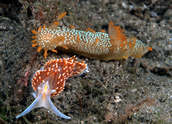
[{"x": 132, "y": 91}]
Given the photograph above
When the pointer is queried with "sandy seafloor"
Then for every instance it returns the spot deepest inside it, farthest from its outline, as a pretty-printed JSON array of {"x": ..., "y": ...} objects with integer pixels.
[{"x": 135, "y": 91}]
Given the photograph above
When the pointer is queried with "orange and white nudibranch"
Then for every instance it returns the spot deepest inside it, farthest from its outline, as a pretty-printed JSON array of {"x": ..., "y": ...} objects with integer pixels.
[
  {"x": 50, "y": 81},
  {"x": 113, "y": 45}
]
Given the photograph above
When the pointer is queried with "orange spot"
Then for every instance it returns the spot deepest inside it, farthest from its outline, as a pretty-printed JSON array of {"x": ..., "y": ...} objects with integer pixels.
[
  {"x": 39, "y": 49},
  {"x": 78, "y": 39},
  {"x": 73, "y": 58},
  {"x": 102, "y": 30},
  {"x": 121, "y": 45},
  {"x": 65, "y": 47},
  {"x": 55, "y": 51},
  {"x": 45, "y": 53},
  {"x": 134, "y": 41},
  {"x": 34, "y": 32},
  {"x": 97, "y": 40},
  {"x": 65, "y": 62},
  {"x": 56, "y": 23},
  {"x": 71, "y": 26},
  {"x": 34, "y": 45},
  {"x": 130, "y": 44},
  {"x": 60, "y": 60},
  {"x": 34, "y": 37},
  {"x": 44, "y": 27},
  {"x": 125, "y": 42},
  {"x": 61, "y": 15},
  {"x": 33, "y": 41},
  {"x": 39, "y": 29},
  {"x": 91, "y": 30},
  {"x": 150, "y": 48}
]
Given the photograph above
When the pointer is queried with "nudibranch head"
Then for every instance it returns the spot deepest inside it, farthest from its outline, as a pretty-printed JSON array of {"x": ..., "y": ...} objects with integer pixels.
[
  {"x": 51, "y": 80},
  {"x": 47, "y": 38}
]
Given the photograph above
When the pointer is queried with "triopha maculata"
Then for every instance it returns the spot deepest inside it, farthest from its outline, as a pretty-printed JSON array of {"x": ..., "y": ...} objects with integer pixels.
[{"x": 112, "y": 46}]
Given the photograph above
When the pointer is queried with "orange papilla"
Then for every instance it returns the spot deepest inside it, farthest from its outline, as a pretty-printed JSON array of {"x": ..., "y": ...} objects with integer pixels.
[
  {"x": 102, "y": 30},
  {"x": 91, "y": 30},
  {"x": 64, "y": 62},
  {"x": 150, "y": 48},
  {"x": 61, "y": 15},
  {"x": 71, "y": 26},
  {"x": 34, "y": 45},
  {"x": 61, "y": 62},
  {"x": 55, "y": 51},
  {"x": 134, "y": 41},
  {"x": 121, "y": 45},
  {"x": 34, "y": 32},
  {"x": 129, "y": 45},
  {"x": 33, "y": 41},
  {"x": 45, "y": 53},
  {"x": 78, "y": 39},
  {"x": 39, "y": 49},
  {"x": 44, "y": 27},
  {"x": 65, "y": 47},
  {"x": 120, "y": 34},
  {"x": 56, "y": 23},
  {"x": 34, "y": 37},
  {"x": 96, "y": 41},
  {"x": 39, "y": 29},
  {"x": 49, "y": 64}
]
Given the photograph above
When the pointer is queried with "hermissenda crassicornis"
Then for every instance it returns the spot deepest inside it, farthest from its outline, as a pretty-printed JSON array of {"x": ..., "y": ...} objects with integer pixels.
[
  {"x": 113, "y": 45},
  {"x": 50, "y": 81}
]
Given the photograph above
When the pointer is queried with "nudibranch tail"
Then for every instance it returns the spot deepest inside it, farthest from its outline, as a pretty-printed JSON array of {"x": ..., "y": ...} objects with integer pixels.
[
  {"x": 116, "y": 33},
  {"x": 43, "y": 100},
  {"x": 123, "y": 47}
]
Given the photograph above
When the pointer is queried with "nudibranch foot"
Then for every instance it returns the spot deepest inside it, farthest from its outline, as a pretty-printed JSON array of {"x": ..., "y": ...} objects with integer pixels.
[{"x": 43, "y": 100}]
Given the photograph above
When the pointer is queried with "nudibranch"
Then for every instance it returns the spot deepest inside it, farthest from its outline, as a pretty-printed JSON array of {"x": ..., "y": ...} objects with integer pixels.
[
  {"x": 50, "y": 81},
  {"x": 113, "y": 45}
]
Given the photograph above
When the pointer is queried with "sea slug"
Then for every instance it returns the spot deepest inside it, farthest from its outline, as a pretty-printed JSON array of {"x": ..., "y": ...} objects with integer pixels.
[
  {"x": 50, "y": 81},
  {"x": 113, "y": 45}
]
